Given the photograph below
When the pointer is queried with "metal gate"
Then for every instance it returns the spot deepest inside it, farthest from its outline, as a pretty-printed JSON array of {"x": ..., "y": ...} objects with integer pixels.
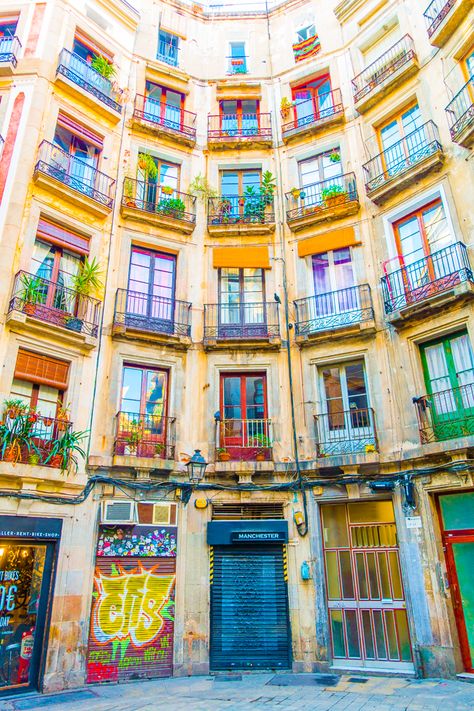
[
  {"x": 249, "y": 608},
  {"x": 132, "y": 619}
]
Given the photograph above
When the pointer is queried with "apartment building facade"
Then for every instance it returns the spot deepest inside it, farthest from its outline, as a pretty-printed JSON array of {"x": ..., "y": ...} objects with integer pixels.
[{"x": 245, "y": 231}]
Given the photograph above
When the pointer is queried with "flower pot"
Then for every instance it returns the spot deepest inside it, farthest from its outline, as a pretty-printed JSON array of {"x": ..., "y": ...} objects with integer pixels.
[
  {"x": 62, "y": 425},
  {"x": 260, "y": 457},
  {"x": 29, "y": 308},
  {"x": 130, "y": 450},
  {"x": 56, "y": 461},
  {"x": 47, "y": 421},
  {"x": 32, "y": 417},
  {"x": 9, "y": 455},
  {"x": 74, "y": 324},
  {"x": 224, "y": 456},
  {"x": 336, "y": 200},
  {"x": 34, "y": 459}
]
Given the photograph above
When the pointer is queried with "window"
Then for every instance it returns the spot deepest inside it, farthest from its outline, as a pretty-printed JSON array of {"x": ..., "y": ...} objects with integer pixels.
[
  {"x": 320, "y": 167},
  {"x": 168, "y": 45},
  {"x": 379, "y": 48},
  {"x": 346, "y": 425},
  {"x": 468, "y": 64},
  {"x": 239, "y": 117},
  {"x": 401, "y": 139},
  {"x": 8, "y": 27},
  {"x": 241, "y": 302},
  {"x": 237, "y": 58},
  {"x": 86, "y": 49},
  {"x": 314, "y": 100},
  {"x": 305, "y": 33},
  {"x": 448, "y": 368},
  {"x": 244, "y": 428},
  {"x": 151, "y": 290},
  {"x": 332, "y": 271},
  {"x": 164, "y": 105},
  {"x": 167, "y": 174},
  {"x": 150, "y": 188},
  {"x": 58, "y": 267},
  {"x": 234, "y": 184},
  {"x": 78, "y": 158}
]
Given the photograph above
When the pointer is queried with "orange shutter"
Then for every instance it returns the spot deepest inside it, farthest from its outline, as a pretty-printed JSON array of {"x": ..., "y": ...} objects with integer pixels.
[
  {"x": 41, "y": 369},
  {"x": 62, "y": 237},
  {"x": 336, "y": 239},
  {"x": 253, "y": 257}
]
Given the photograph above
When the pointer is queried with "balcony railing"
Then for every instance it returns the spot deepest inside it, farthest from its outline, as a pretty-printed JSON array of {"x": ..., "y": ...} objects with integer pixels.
[
  {"x": 152, "y": 314},
  {"x": 246, "y": 209},
  {"x": 149, "y": 435},
  {"x": 335, "y": 309},
  {"x": 167, "y": 53},
  {"x": 244, "y": 440},
  {"x": 75, "y": 173},
  {"x": 230, "y": 127},
  {"x": 401, "y": 53},
  {"x": 174, "y": 119},
  {"x": 237, "y": 65},
  {"x": 446, "y": 414},
  {"x": 403, "y": 155},
  {"x": 84, "y": 75},
  {"x": 9, "y": 49},
  {"x": 311, "y": 112},
  {"x": 241, "y": 321},
  {"x": 461, "y": 109},
  {"x": 345, "y": 432},
  {"x": 323, "y": 196},
  {"x": 29, "y": 438},
  {"x": 158, "y": 199},
  {"x": 55, "y": 303},
  {"x": 436, "y": 12},
  {"x": 427, "y": 277}
]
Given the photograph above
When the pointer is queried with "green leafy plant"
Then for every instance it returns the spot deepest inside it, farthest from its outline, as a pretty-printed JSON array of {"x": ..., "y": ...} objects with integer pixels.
[
  {"x": 66, "y": 448},
  {"x": 261, "y": 441},
  {"x": 88, "y": 280},
  {"x": 32, "y": 290},
  {"x": 103, "y": 67},
  {"x": 335, "y": 156},
  {"x": 147, "y": 165},
  {"x": 333, "y": 191},
  {"x": 16, "y": 436},
  {"x": 268, "y": 187},
  {"x": 201, "y": 188},
  {"x": 174, "y": 207}
]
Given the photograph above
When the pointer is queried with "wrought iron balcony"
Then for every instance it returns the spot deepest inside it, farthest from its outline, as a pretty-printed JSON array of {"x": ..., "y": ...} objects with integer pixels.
[
  {"x": 311, "y": 114},
  {"x": 323, "y": 200},
  {"x": 244, "y": 440},
  {"x": 434, "y": 274},
  {"x": 55, "y": 303},
  {"x": 9, "y": 50},
  {"x": 333, "y": 310},
  {"x": 384, "y": 68},
  {"x": 75, "y": 174},
  {"x": 82, "y": 74},
  {"x": 160, "y": 116},
  {"x": 461, "y": 115},
  {"x": 246, "y": 209},
  {"x": 446, "y": 414},
  {"x": 239, "y": 128},
  {"x": 147, "y": 435},
  {"x": 407, "y": 157},
  {"x": 151, "y": 314},
  {"x": 345, "y": 432},
  {"x": 241, "y": 322},
  {"x": 237, "y": 65},
  {"x": 165, "y": 204},
  {"x": 167, "y": 53},
  {"x": 29, "y": 438}
]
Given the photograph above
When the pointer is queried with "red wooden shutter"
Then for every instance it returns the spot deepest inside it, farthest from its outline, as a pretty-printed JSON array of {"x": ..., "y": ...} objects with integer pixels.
[
  {"x": 62, "y": 237},
  {"x": 79, "y": 130},
  {"x": 41, "y": 369}
]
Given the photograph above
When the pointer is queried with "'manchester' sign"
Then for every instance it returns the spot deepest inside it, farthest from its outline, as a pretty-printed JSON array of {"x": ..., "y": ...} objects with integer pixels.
[{"x": 258, "y": 536}]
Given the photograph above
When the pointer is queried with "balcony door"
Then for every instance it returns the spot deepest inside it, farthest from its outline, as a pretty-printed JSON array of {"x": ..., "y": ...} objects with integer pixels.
[
  {"x": 150, "y": 190},
  {"x": 164, "y": 106},
  {"x": 313, "y": 101},
  {"x": 448, "y": 367},
  {"x": 398, "y": 154},
  {"x": 56, "y": 268},
  {"x": 241, "y": 303},
  {"x": 318, "y": 173},
  {"x": 143, "y": 412},
  {"x": 346, "y": 425},
  {"x": 243, "y": 410},
  {"x": 83, "y": 159},
  {"x": 334, "y": 284},
  {"x": 239, "y": 117},
  {"x": 234, "y": 185},
  {"x": 151, "y": 290}
]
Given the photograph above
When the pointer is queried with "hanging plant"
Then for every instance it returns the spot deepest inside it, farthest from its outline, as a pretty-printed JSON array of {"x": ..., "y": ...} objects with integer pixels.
[
  {"x": 285, "y": 107},
  {"x": 147, "y": 164},
  {"x": 167, "y": 189},
  {"x": 335, "y": 156}
]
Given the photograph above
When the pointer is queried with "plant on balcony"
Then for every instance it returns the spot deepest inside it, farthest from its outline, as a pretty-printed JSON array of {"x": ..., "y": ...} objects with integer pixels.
[
  {"x": 62, "y": 415},
  {"x": 173, "y": 207},
  {"x": 201, "y": 188},
  {"x": 148, "y": 166},
  {"x": 133, "y": 438},
  {"x": 225, "y": 208},
  {"x": 16, "y": 437},
  {"x": 285, "y": 107},
  {"x": 222, "y": 454},
  {"x": 12, "y": 408},
  {"x": 295, "y": 193},
  {"x": 103, "y": 67},
  {"x": 86, "y": 283},
  {"x": 65, "y": 448},
  {"x": 334, "y": 195},
  {"x": 335, "y": 156},
  {"x": 129, "y": 192},
  {"x": 268, "y": 187},
  {"x": 32, "y": 292},
  {"x": 262, "y": 444},
  {"x": 159, "y": 449},
  {"x": 167, "y": 190}
]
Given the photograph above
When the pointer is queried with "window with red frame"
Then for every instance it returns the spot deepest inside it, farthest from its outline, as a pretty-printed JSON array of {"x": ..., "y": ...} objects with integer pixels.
[
  {"x": 313, "y": 100},
  {"x": 239, "y": 116}
]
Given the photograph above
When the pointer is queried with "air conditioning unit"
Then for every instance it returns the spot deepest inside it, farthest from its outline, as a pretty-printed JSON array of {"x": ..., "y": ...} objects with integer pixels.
[{"x": 118, "y": 511}]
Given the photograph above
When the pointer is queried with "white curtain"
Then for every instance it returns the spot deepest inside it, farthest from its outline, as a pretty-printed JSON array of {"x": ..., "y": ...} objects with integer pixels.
[{"x": 464, "y": 364}]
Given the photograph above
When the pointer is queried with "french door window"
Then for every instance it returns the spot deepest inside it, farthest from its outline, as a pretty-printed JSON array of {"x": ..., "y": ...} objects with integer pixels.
[
  {"x": 239, "y": 117},
  {"x": 333, "y": 277},
  {"x": 241, "y": 302},
  {"x": 244, "y": 427},
  {"x": 84, "y": 157},
  {"x": 313, "y": 101},
  {"x": 56, "y": 268},
  {"x": 150, "y": 190},
  {"x": 143, "y": 410},
  {"x": 235, "y": 184},
  {"x": 319, "y": 174},
  {"x": 448, "y": 366},
  {"x": 151, "y": 290},
  {"x": 164, "y": 106},
  {"x": 346, "y": 425},
  {"x": 401, "y": 140}
]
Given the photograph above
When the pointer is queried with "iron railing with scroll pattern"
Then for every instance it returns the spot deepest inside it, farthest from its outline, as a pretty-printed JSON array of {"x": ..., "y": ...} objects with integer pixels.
[
  {"x": 461, "y": 109},
  {"x": 9, "y": 49},
  {"x": 246, "y": 209},
  {"x": 145, "y": 435},
  {"x": 29, "y": 438},
  {"x": 325, "y": 195},
  {"x": 152, "y": 314},
  {"x": 174, "y": 119},
  {"x": 228, "y": 127},
  {"x": 427, "y": 277},
  {"x": 146, "y": 196},
  {"x": 345, "y": 432},
  {"x": 446, "y": 414},
  {"x": 244, "y": 440},
  {"x": 335, "y": 309},
  {"x": 80, "y": 72},
  {"x": 435, "y": 13},
  {"x": 400, "y": 54},
  {"x": 241, "y": 321},
  {"x": 311, "y": 112}
]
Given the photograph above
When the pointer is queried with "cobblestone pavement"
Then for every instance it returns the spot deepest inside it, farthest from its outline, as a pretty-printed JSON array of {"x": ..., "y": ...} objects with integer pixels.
[{"x": 253, "y": 692}]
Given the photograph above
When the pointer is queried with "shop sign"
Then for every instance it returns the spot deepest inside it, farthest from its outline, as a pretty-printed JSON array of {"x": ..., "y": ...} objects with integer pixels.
[
  {"x": 29, "y": 527},
  {"x": 258, "y": 537}
]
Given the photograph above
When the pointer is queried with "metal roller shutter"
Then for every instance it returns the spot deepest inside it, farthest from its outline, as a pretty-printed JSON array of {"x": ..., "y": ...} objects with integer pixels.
[
  {"x": 249, "y": 608},
  {"x": 132, "y": 619}
]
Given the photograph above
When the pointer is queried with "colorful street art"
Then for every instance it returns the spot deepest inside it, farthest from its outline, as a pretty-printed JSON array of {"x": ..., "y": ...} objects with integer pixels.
[{"x": 122, "y": 542}]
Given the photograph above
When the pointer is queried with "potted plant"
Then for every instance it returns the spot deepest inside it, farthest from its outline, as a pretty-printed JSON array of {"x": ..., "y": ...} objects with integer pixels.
[
  {"x": 32, "y": 290},
  {"x": 200, "y": 187},
  {"x": 159, "y": 449},
  {"x": 129, "y": 192},
  {"x": 103, "y": 67},
  {"x": 222, "y": 454},
  {"x": 133, "y": 438},
  {"x": 64, "y": 449},
  {"x": 174, "y": 207},
  {"x": 335, "y": 156},
  {"x": 334, "y": 195},
  {"x": 147, "y": 165},
  {"x": 268, "y": 187},
  {"x": 167, "y": 189},
  {"x": 14, "y": 408},
  {"x": 285, "y": 107},
  {"x": 263, "y": 444},
  {"x": 62, "y": 415},
  {"x": 295, "y": 193},
  {"x": 15, "y": 438},
  {"x": 86, "y": 283}
]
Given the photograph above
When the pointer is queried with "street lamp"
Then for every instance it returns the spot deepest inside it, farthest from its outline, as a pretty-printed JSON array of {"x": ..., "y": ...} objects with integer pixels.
[{"x": 196, "y": 467}]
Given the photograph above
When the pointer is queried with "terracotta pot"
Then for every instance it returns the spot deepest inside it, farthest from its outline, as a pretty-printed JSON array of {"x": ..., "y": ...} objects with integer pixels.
[
  {"x": 336, "y": 200},
  {"x": 9, "y": 455},
  {"x": 55, "y": 461},
  {"x": 224, "y": 456},
  {"x": 29, "y": 308},
  {"x": 47, "y": 421},
  {"x": 260, "y": 457}
]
